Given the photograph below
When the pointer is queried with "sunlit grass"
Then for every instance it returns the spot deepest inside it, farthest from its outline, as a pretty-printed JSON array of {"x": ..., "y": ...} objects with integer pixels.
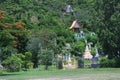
[{"x": 72, "y": 74}]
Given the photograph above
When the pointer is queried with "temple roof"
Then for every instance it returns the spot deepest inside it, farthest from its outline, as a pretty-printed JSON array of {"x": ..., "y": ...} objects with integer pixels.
[
  {"x": 68, "y": 9},
  {"x": 75, "y": 24}
]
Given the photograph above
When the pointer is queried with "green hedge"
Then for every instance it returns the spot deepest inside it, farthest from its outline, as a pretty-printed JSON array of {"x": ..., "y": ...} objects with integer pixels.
[
  {"x": 12, "y": 63},
  {"x": 106, "y": 63}
]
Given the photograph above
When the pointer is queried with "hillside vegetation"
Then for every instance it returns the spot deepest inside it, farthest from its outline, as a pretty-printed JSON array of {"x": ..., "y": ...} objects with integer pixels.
[{"x": 32, "y": 25}]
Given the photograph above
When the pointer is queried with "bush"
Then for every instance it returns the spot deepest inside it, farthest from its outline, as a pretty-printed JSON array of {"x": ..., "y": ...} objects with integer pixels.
[
  {"x": 106, "y": 63},
  {"x": 78, "y": 47},
  {"x": 1, "y": 72},
  {"x": 28, "y": 56},
  {"x": 45, "y": 56},
  {"x": 28, "y": 64},
  {"x": 26, "y": 60},
  {"x": 117, "y": 64},
  {"x": 12, "y": 63}
]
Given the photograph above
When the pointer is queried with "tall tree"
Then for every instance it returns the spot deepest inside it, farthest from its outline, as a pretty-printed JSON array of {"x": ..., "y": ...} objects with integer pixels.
[
  {"x": 38, "y": 40},
  {"x": 108, "y": 33},
  {"x": 12, "y": 36}
]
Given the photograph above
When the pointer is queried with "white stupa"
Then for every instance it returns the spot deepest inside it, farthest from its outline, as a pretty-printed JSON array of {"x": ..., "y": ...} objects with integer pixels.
[{"x": 87, "y": 54}]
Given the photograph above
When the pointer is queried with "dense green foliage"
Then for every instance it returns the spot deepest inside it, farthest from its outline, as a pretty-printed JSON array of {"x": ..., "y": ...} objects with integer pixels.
[
  {"x": 12, "y": 63},
  {"x": 78, "y": 47},
  {"x": 45, "y": 57},
  {"x": 107, "y": 62},
  {"x": 108, "y": 22},
  {"x": 17, "y": 62},
  {"x": 26, "y": 60},
  {"x": 32, "y": 25}
]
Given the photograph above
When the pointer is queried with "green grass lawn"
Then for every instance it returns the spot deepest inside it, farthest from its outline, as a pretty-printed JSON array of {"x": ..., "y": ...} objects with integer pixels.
[{"x": 68, "y": 74}]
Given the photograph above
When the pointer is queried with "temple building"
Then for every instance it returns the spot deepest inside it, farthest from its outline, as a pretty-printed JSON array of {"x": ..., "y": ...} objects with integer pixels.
[
  {"x": 68, "y": 9},
  {"x": 77, "y": 29}
]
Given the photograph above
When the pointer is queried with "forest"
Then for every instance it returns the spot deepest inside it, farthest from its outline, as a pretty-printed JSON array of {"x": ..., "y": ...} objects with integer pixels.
[{"x": 32, "y": 32}]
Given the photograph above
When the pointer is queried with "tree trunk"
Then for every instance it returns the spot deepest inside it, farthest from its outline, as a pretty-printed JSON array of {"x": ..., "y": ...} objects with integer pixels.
[{"x": 46, "y": 67}]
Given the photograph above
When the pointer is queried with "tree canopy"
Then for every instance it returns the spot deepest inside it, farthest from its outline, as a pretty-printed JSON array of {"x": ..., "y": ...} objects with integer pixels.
[{"x": 26, "y": 25}]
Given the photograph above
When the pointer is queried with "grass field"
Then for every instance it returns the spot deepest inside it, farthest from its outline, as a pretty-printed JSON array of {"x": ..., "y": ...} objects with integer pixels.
[{"x": 73, "y": 74}]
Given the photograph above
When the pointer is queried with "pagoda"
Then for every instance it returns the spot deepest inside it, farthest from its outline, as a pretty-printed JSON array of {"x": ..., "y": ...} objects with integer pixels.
[
  {"x": 75, "y": 27},
  {"x": 87, "y": 54},
  {"x": 68, "y": 9}
]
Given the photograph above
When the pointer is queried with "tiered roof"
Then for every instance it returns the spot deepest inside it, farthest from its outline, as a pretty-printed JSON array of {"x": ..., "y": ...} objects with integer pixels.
[{"x": 75, "y": 24}]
